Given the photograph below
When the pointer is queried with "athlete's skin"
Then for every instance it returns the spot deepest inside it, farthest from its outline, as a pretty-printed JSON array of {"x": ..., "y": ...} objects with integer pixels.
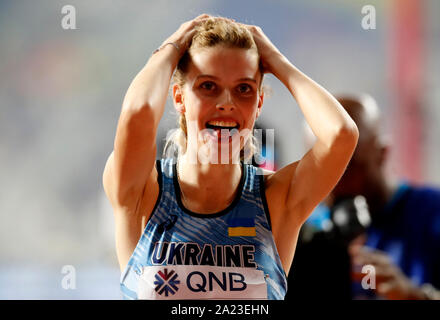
[{"x": 231, "y": 90}]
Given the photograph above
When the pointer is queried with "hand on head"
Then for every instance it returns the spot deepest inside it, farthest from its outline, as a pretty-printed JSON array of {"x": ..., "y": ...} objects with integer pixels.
[
  {"x": 266, "y": 48},
  {"x": 183, "y": 36}
]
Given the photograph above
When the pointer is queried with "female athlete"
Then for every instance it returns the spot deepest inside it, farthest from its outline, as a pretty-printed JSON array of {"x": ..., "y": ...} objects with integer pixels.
[{"x": 209, "y": 225}]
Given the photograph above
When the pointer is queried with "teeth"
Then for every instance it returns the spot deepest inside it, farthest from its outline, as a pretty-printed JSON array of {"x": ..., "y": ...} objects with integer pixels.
[{"x": 223, "y": 123}]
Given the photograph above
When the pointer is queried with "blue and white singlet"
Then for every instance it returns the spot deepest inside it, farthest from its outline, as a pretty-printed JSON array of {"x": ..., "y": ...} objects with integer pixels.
[{"x": 226, "y": 255}]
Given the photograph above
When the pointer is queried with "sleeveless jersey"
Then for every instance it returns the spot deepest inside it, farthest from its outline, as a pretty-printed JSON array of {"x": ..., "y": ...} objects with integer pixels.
[{"x": 226, "y": 255}]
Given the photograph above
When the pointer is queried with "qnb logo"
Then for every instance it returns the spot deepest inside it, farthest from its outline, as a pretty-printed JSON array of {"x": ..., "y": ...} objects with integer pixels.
[{"x": 166, "y": 282}]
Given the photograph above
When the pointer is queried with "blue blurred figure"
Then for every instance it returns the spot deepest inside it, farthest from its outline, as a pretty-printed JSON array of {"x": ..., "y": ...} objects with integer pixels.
[{"x": 402, "y": 242}]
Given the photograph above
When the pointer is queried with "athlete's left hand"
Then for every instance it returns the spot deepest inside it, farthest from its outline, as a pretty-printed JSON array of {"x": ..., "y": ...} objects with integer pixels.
[
  {"x": 391, "y": 282},
  {"x": 267, "y": 50}
]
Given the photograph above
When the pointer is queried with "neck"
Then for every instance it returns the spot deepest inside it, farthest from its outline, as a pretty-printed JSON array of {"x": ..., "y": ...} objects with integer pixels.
[
  {"x": 380, "y": 195},
  {"x": 207, "y": 187}
]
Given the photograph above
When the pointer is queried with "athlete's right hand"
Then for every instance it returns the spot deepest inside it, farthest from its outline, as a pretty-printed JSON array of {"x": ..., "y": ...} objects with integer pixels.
[{"x": 183, "y": 36}]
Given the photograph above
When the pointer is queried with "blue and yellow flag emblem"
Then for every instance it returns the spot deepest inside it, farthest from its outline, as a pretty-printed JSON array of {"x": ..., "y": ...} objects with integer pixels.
[{"x": 242, "y": 227}]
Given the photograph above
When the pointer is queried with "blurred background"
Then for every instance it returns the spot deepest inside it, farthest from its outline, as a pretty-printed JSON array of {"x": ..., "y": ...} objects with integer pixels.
[{"x": 61, "y": 92}]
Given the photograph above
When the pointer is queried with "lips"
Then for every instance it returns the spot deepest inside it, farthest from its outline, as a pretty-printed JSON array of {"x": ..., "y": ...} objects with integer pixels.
[
  {"x": 222, "y": 124},
  {"x": 222, "y": 128}
]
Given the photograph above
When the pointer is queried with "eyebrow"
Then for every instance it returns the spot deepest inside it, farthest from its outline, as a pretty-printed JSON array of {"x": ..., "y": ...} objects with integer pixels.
[{"x": 214, "y": 77}]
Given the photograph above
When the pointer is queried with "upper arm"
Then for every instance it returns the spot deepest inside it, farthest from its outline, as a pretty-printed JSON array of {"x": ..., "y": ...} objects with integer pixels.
[
  {"x": 131, "y": 163},
  {"x": 317, "y": 173}
]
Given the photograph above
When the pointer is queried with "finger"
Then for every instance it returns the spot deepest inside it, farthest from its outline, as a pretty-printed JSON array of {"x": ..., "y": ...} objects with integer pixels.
[
  {"x": 354, "y": 249},
  {"x": 379, "y": 258},
  {"x": 377, "y": 261},
  {"x": 199, "y": 21},
  {"x": 377, "y": 279},
  {"x": 365, "y": 255},
  {"x": 384, "y": 274},
  {"x": 385, "y": 288},
  {"x": 380, "y": 273},
  {"x": 202, "y": 16}
]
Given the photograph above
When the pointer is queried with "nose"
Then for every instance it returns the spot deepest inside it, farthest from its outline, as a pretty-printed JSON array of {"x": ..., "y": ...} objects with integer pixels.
[{"x": 225, "y": 103}]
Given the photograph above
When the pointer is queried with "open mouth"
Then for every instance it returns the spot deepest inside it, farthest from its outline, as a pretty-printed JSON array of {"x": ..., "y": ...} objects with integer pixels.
[
  {"x": 219, "y": 125},
  {"x": 221, "y": 130}
]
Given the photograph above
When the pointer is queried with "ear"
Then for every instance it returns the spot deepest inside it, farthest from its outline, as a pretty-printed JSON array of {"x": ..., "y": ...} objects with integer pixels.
[
  {"x": 260, "y": 103},
  {"x": 178, "y": 99}
]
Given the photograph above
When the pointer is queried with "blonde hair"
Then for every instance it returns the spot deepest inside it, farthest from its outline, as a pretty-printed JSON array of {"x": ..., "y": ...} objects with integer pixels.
[{"x": 212, "y": 32}]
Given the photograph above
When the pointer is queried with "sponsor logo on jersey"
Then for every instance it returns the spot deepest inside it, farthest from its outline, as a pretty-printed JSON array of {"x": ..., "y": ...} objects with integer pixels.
[
  {"x": 201, "y": 282},
  {"x": 166, "y": 282}
]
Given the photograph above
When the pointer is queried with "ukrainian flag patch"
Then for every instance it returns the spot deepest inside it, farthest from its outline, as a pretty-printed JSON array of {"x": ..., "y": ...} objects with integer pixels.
[{"x": 242, "y": 227}]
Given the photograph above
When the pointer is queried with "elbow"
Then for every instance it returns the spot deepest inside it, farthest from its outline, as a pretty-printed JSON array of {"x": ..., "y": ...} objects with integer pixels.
[{"x": 347, "y": 136}]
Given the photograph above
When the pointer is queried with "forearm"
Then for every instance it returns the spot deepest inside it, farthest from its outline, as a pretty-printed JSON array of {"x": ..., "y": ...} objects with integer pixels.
[
  {"x": 425, "y": 292},
  {"x": 325, "y": 116},
  {"x": 149, "y": 89}
]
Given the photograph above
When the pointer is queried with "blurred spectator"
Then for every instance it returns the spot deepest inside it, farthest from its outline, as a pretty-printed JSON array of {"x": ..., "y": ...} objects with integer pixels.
[{"x": 402, "y": 242}]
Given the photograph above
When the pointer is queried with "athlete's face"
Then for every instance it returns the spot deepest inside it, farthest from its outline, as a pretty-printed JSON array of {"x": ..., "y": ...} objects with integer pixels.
[{"x": 221, "y": 91}]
